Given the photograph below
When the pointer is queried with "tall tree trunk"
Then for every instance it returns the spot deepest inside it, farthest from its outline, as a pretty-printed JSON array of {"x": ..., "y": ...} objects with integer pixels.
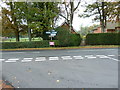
[
  {"x": 17, "y": 36},
  {"x": 103, "y": 18},
  {"x": 71, "y": 15}
]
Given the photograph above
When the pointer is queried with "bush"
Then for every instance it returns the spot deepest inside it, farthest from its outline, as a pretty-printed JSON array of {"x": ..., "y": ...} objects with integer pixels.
[
  {"x": 103, "y": 39},
  {"x": 67, "y": 39},
  {"x": 32, "y": 44}
]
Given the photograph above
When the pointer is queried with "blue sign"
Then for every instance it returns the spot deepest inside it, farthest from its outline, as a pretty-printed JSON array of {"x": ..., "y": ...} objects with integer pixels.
[{"x": 48, "y": 32}]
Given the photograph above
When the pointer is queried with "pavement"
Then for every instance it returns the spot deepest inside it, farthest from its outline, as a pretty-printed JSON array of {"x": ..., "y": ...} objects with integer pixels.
[{"x": 72, "y": 68}]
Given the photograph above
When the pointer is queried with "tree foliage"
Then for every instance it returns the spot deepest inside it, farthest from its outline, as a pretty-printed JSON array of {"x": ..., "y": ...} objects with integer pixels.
[
  {"x": 103, "y": 11},
  {"x": 29, "y": 17}
]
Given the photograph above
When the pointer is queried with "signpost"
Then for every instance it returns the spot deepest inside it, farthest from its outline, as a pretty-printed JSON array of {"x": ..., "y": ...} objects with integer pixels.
[{"x": 52, "y": 33}]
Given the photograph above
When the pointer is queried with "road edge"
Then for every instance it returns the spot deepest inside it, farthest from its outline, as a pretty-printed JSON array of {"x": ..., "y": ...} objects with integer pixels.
[{"x": 62, "y": 48}]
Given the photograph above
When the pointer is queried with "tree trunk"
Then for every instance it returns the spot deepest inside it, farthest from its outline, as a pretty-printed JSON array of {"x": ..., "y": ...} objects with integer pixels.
[
  {"x": 17, "y": 36},
  {"x": 103, "y": 18}
]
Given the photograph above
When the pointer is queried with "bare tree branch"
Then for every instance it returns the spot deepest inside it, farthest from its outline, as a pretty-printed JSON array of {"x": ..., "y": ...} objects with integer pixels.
[{"x": 77, "y": 5}]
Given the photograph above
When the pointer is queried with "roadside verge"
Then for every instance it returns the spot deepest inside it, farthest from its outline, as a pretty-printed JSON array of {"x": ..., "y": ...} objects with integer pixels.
[{"x": 61, "y": 48}]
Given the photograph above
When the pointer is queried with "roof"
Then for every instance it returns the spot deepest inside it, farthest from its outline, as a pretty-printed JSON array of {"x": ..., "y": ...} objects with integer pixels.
[{"x": 65, "y": 23}]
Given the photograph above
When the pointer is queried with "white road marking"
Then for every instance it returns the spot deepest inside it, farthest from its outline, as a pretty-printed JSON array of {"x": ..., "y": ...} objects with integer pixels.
[
  {"x": 114, "y": 59},
  {"x": 10, "y": 61},
  {"x": 110, "y": 55},
  {"x": 26, "y": 60},
  {"x": 90, "y": 56},
  {"x": 2, "y": 59},
  {"x": 102, "y": 56},
  {"x": 78, "y": 57},
  {"x": 39, "y": 60},
  {"x": 53, "y": 58},
  {"x": 66, "y": 57},
  {"x": 13, "y": 59}
]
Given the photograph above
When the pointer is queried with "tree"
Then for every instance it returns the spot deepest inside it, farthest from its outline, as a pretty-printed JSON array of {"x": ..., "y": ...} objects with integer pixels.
[
  {"x": 39, "y": 17},
  {"x": 11, "y": 20},
  {"x": 102, "y": 12},
  {"x": 31, "y": 17},
  {"x": 69, "y": 11}
]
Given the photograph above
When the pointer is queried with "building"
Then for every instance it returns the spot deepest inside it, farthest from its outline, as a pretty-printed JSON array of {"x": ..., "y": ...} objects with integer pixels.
[
  {"x": 66, "y": 26},
  {"x": 111, "y": 27}
]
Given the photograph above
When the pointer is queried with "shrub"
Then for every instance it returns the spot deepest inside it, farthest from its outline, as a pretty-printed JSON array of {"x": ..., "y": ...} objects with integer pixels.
[
  {"x": 103, "y": 39},
  {"x": 65, "y": 38},
  {"x": 33, "y": 44}
]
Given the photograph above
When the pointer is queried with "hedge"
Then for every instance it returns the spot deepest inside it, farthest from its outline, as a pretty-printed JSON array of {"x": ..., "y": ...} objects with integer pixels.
[
  {"x": 32, "y": 44},
  {"x": 66, "y": 38},
  {"x": 103, "y": 39}
]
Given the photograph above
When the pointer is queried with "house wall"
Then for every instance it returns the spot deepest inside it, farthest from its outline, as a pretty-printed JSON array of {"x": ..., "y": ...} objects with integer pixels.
[
  {"x": 111, "y": 25},
  {"x": 98, "y": 30}
]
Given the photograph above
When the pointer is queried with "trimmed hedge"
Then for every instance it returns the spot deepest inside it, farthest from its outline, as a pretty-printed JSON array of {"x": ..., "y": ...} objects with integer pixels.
[
  {"x": 103, "y": 39},
  {"x": 66, "y": 38},
  {"x": 32, "y": 44}
]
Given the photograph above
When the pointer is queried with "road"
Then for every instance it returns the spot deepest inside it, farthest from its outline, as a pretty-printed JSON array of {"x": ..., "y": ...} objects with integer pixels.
[{"x": 75, "y": 68}]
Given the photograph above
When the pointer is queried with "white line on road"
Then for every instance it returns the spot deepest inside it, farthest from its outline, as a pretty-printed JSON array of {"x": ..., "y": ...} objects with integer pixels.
[
  {"x": 13, "y": 59},
  {"x": 10, "y": 61},
  {"x": 39, "y": 60},
  {"x": 26, "y": 60},
  {"x": 2, "y": 59},
  {"x": 90, "y": 56},
  {"x": 53, "y": 58},
  {"x": 110, "y": 55},
  {"x": 114, "y": 59},
  {"x": 78, "y": 57},
  {"x": 102, "y": 56},
  {"x": 66, "y": 57}
]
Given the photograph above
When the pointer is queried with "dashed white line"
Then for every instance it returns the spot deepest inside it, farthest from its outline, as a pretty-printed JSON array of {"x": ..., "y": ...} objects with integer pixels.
[
  {"x": 2, "y": 59},
  {"x": 102, "y": 56},
  {"x": 40, "y": 59},
  {"x": 90, "y": 56},
  {"x": 53, "y": 58},
  {"x": 110, "y": 55},
  {"x": 13, "y": 59},
  {"x": 10, "y": 61},
  {"x": 66, "y": 57},
  {"x": 78, "y": 57},
  {"x": 26, "y": 60}
]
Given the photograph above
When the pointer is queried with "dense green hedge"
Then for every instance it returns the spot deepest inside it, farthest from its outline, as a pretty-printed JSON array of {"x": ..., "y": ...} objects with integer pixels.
[
  {"x": 66, "y": 38},
  {"x": 103, "y": 39},
  {"x": 33, "y": 44}
]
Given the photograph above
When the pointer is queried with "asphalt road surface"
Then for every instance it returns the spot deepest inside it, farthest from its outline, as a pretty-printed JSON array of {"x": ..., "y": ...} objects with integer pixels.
[{"x": 77, "y": 68}]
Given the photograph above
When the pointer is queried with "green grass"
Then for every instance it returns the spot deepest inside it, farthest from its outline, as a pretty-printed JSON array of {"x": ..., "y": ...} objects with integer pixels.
[{"x": 21, "y": 39}]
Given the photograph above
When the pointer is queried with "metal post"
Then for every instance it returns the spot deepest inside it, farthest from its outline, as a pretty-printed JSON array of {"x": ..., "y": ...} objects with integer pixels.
[{"x": 51, "y": 38}]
